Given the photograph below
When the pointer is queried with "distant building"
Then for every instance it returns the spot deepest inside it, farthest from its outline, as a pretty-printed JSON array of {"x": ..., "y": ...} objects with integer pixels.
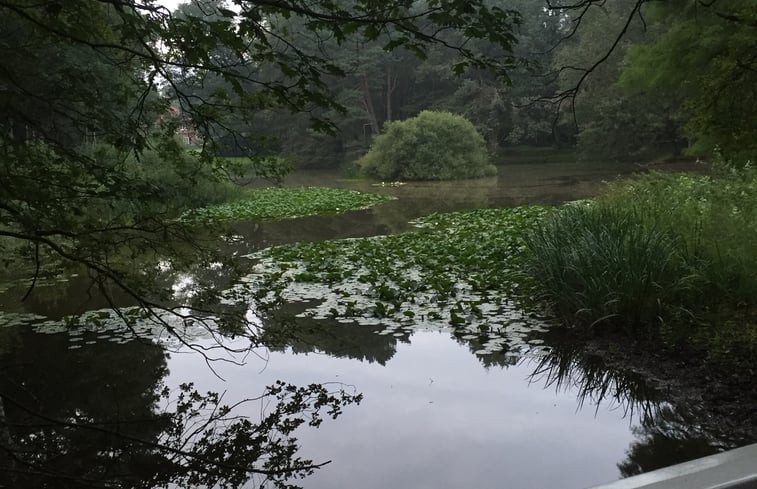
[{"x": 186, "y": 133}]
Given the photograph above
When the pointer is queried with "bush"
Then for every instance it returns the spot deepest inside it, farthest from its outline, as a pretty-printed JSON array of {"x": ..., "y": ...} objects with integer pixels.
[
  {"x": 715, "y": 220},
  {"x": 272, "y": 168},
  {"x": 431, "y": 146}
]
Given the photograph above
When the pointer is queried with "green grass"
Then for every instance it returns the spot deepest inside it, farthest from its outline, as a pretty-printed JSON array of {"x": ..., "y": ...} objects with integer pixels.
[
  {"x": 285, "y": 203},
  {"x": 597, "y": 265},
  {"x": 655, "y": 253},
  {"x": 714, "y": 219}
]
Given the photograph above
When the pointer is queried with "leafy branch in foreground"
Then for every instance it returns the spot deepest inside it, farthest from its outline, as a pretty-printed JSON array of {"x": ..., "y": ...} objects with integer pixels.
[{"x": 199, "y": 442}]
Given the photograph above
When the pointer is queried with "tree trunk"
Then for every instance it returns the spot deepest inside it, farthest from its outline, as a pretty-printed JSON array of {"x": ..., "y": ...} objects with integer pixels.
[
  {"x": 391, "y": 84},
  {"x": 368, "y": 105}
]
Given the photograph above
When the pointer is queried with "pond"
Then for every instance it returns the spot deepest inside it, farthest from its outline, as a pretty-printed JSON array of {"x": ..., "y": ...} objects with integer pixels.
[{"x": 439, "y": 408}]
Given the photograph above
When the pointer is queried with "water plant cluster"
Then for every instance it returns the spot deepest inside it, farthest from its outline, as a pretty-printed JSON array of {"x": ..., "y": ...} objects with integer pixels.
[
  {"x": 284, "y": 203},
  {"x": 455, "y": 272},
  {"x": 655, "y": 254},
  {"x": 596, "y": 265}
]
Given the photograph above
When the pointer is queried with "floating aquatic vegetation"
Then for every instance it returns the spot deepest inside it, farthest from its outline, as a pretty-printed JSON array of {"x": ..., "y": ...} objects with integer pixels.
[
  {"x": 285, "y": 203},
  {"x": 456, "y": 273},
  {"x": 388, "y": 184},
  {"x": 10, "y": 319},
  {"x": 122, "y": 326}
]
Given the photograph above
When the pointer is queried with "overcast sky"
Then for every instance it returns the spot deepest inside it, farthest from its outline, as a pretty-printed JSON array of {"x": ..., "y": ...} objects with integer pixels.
[{"x": 172, "y": 4}]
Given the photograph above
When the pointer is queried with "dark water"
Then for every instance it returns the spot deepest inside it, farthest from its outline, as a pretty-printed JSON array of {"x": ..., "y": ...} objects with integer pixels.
[{"x": 437, "y": 413}]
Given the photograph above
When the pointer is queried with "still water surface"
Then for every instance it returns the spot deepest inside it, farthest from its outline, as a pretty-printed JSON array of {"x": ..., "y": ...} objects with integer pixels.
[{"x": 435, "y": 414}]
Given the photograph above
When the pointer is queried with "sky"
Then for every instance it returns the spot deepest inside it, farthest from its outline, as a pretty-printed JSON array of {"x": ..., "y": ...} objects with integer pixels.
[{"x": 171, "y": 4}]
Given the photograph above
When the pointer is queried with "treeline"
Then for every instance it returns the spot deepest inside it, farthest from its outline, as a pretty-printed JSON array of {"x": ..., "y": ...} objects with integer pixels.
[{"x": 622, "y": 80}]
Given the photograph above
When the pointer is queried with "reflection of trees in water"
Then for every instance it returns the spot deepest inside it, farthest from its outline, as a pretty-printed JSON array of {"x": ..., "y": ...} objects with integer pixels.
[
  {"x": 259, "y": 235},
  {"x": 665, "y": 434},
  {"x": 48, "y": 391},
  {"x": 666, "y": 438},
  {"x": 71, "y": 295},
  {"x": 101, "y": 416},
  {"x": 284, "y": 330},
  {"x": 567, "y": 367},
  {"x": 504, "y": 358},
  {"x": 343, "y": 340},
  {"x": 191, "y": 275}
]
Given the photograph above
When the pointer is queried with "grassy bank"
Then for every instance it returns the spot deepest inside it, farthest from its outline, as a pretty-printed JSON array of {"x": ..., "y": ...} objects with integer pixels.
[{"x": 664, "y": 256}]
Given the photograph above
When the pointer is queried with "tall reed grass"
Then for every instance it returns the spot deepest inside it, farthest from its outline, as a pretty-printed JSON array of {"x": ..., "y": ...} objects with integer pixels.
[
  {"x": 659, "y": 249},
  {"x": 596, "y": 264}
]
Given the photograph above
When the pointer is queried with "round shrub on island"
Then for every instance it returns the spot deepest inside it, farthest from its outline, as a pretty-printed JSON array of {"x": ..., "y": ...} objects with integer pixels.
[{"x": 430, "y": 146}]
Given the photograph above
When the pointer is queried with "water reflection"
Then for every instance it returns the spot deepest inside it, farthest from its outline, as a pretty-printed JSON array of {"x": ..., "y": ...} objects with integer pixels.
[
  {"x": 286, "y": 332},
  {"x": 567, "y": 367},
  {"x": 103, "y": 416},
  {"x": 660, "y": 434},
  {"x": 505, "y": 357},
  {"x": 668, "y": 437},
  {"x": 71, "y": 296},
  {"x": 48, "y": 391},
  {"x": 665, "y": 433},
  {"x": 435, "y": 413},
  {"x": 432, "y": 416}
]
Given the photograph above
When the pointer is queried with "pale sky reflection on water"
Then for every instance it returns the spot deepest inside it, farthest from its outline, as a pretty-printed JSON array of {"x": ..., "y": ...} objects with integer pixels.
[{"x": 435, "y": 417}]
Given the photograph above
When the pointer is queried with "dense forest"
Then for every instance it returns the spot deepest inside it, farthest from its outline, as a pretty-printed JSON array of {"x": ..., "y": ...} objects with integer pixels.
[
  {"x": 621, "y": 81},
  {"x": 628, "y": 80}
]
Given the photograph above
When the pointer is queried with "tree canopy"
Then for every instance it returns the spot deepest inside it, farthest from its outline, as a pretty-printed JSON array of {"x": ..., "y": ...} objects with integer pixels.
[
  {"x": 643, "y": 76},
  {"x": 704, "y": 60}
]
